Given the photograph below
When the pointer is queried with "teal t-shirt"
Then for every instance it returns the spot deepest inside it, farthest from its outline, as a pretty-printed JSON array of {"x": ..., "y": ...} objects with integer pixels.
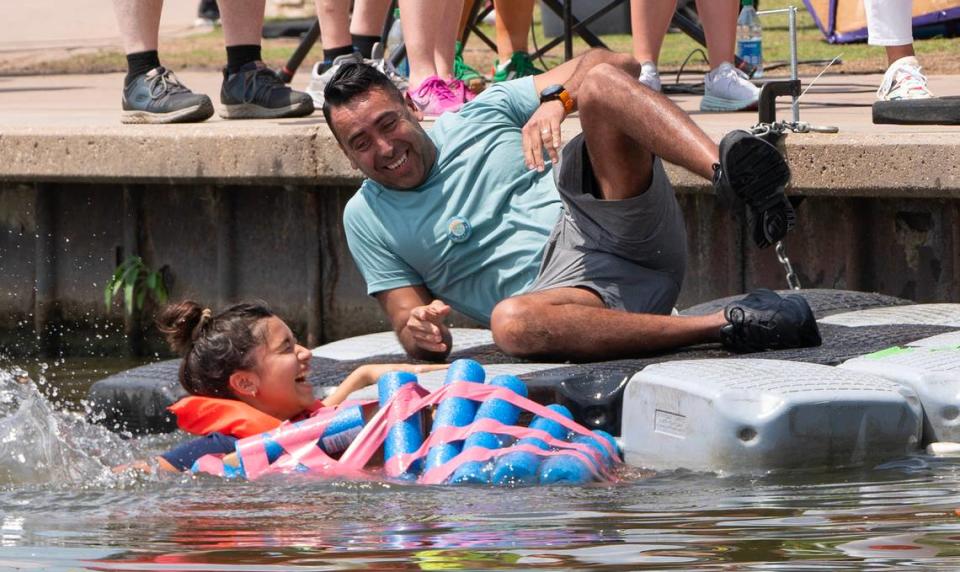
[{"x": 475, "y": 231}]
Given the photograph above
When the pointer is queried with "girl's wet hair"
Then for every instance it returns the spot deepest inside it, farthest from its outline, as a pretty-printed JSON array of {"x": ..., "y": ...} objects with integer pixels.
[{"x": 213, "y": 346}]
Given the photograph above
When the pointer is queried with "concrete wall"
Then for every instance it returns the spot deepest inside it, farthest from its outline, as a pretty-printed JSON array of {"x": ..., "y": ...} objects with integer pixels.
[{"x": 60, "y": 242}]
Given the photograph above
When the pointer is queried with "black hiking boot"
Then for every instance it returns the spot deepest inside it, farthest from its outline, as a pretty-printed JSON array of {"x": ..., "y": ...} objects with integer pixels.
[
  {"x": 158, "y": 97},
  {"x": 764, "y": 320},
  {"x": 751, "y": 171},
  {"x": 255, "y": 92}
]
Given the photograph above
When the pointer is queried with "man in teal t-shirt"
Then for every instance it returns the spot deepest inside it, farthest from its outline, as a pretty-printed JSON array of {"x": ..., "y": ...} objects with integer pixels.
[
  {"x": 582, "y": 259},
  {"x": 466, "y": 216}
]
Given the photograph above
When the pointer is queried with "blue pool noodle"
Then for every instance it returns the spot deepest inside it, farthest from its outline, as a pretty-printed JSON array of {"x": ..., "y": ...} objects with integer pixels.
[
  {"x": 567, "y": 469},
  {"x": 496, "y": 409},
  {"x": 405, "y": 436},
  {"x": 341, "y": 430},
  {"x": 454, "y": 411},
  {"x": 520, "y": 467}
]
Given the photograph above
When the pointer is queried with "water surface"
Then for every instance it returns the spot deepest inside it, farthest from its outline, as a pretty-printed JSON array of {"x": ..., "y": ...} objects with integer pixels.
[{"x": 62, "y": 508}]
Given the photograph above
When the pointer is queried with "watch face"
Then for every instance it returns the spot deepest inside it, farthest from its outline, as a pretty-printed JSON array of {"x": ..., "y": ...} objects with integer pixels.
[{"x": 551, "y": 91}]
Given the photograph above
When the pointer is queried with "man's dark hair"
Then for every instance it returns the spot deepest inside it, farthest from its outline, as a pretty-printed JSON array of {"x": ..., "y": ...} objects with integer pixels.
[{"x": 353, "y": 80}]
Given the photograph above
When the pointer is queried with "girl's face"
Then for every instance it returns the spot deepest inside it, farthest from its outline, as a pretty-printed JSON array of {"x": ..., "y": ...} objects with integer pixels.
[{"x": 282, "y": 389}]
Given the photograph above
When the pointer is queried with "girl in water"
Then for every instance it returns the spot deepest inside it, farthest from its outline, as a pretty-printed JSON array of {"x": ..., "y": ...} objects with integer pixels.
[{"x": 245, "y": 373}]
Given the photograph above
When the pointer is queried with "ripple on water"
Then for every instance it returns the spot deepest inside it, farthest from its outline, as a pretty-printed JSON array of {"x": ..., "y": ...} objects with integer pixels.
[{"x": 61, "y": 507}]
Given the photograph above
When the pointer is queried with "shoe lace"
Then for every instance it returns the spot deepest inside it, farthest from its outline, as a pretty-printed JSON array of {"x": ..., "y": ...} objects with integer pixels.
[
  {"x": 259, "y": 84},
  {"x": 729, "y": 75},
  {"x": 523, "y": 65},
  {"x": 438, "y": 88},
  {"x": 165, "y": 83},
  {"x": 908, "y": 76}
]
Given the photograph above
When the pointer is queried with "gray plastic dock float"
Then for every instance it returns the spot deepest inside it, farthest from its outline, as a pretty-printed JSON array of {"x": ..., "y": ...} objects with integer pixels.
[
  {"x": 947, "y": 340},
  {"x": 929, "y": 314},
  {"x": 933, "y": 373},
  {"x": 386, "y": 343},
  {"x": 753, "y": 415}
]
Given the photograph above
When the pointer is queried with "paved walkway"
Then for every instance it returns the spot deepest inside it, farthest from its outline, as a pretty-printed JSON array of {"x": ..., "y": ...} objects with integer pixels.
[
  {"x": 29, "y": 25},
  {"x": 57, "y": 102}
]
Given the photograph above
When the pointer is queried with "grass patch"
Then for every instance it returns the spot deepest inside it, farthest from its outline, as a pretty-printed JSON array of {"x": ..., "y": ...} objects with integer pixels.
[{"x": 205, "y": 51}]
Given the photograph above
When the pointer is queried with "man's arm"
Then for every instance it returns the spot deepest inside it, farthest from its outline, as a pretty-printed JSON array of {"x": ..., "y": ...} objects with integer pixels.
[
  {"x": 542, "y": 131},
  {"x": 417, "y": 318}
]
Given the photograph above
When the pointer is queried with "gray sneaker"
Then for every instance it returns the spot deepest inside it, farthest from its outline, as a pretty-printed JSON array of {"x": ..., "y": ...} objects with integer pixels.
[
  {"x": 319, "y": 80},
  {"x": 158, "y": 97},
  {"x": 255, "y": 92}
]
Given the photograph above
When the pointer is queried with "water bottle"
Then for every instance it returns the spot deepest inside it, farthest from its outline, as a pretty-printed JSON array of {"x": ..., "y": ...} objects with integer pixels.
[
  {"x": 749, "y": 43},
  {"x": 394, "y": 41}
]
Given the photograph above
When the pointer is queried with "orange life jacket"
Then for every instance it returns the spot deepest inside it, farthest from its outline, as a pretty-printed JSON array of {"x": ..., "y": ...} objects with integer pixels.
[{"x": 205, "y": 415}]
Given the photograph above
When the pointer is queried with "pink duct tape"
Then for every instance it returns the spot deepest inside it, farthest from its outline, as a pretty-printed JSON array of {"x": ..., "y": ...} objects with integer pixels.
[
  {"x": 210, "y": 464},
  {"x": 298, "y": 440},
  {"x": 439, "y": 474},
  {"x": 399, "y": 463}
]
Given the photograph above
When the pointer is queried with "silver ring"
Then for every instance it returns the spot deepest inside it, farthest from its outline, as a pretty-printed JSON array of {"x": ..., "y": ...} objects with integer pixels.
[{"x": 545, "y": 130}]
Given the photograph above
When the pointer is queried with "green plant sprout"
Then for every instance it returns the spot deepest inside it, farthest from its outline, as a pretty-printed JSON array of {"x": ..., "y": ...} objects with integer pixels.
[{"x": 136, "y": 280}]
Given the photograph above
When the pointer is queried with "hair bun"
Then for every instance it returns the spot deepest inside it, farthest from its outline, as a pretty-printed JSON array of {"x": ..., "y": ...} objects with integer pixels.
[{"x": 181, "y": 324}]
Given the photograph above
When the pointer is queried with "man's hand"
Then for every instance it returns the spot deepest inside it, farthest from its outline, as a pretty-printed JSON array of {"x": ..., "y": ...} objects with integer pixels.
[
  {"x": 541, "y": 132},
  {"x": 426, "y": 327}
]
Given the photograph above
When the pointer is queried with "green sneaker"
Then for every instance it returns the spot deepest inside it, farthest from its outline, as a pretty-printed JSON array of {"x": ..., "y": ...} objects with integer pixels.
[
  {"x": 474, "y": 79},
  {"x": 520, "y": 65}
]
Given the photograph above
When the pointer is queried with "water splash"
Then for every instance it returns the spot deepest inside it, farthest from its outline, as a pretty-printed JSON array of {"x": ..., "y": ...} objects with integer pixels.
[{"x": 41, "y": 444}]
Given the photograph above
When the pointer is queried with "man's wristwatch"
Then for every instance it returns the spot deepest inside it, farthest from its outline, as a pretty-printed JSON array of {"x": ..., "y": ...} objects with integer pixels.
[{"x": 557, "y": 92}]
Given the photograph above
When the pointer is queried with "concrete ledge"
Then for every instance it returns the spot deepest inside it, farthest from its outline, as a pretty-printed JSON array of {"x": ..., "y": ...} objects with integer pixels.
[
  {"x": 44, "y": 137},
  {"x": 907, "y": 165}
]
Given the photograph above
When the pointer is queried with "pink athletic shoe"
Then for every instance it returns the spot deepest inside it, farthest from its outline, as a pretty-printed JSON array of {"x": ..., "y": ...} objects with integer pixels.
[
  {"x": 434, "y": 98},
  {"x": 460, "y": 89}
]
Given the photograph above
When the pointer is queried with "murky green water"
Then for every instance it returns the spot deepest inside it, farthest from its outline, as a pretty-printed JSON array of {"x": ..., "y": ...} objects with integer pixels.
[{"x": 62, "y": 508}]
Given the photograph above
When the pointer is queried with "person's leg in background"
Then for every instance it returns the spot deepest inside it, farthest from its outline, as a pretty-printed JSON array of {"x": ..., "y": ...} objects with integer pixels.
[
  {"x": 251, "y": 90},
  {"x": 338, "y": 49},
  {"x": 427, "y": 23},
  {"x": 649, "y": 22},
  {"x": 471, "y": 78},
  {"x": 366, "y": 25},
  {"x": 514, "y": 18},
  {"x": 889, "y": 24},
  {"x": 152, "y": 93},
  {"x": 725, "y": 87}
]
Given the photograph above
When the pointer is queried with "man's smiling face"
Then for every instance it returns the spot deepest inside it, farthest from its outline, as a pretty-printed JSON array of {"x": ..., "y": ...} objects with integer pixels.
[{"x": 382, "y": 137}]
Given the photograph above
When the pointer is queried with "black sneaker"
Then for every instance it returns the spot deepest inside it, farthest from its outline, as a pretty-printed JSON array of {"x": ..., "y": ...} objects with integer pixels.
[
  {"x": 764, "y": 320},
  {"x": 751, "y": 171},
  {"x": 255, "y": 92},
  {"x": 158, "y": 97}
]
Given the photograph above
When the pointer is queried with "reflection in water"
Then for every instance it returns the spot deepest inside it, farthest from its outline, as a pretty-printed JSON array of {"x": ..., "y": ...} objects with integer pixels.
[{"x": 61, "y": 507}]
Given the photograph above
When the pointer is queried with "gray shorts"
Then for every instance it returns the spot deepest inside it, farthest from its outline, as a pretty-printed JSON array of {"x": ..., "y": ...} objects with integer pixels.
[{"x": 632, "y": 252}]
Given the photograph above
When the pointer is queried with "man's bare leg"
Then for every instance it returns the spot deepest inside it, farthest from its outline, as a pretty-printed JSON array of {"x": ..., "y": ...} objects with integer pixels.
[
  {"x": 621, "y": 152},
  {"x": 573, "y": 324}
]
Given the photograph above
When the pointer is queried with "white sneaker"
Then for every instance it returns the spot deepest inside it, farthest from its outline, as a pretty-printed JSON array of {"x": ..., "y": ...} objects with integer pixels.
[
  {"x": 319, "y": 81},
  {"x": 649, "y": 76},
  {"x": 728, "y": 89},
  {"x": 381, "y": 63},
  {"x": 903, "y": 80}
]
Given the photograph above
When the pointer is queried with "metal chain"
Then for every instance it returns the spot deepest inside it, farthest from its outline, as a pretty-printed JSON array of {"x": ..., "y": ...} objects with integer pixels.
[
  {"x": 792, "y": 279},
  {"x": 780, "y": 127}
]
